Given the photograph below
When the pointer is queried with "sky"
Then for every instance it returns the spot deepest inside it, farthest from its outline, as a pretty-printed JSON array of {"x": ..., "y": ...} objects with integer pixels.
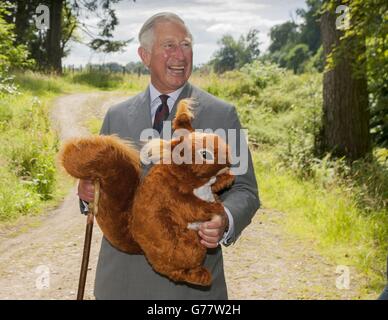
[{"x": 208, "y": 21}]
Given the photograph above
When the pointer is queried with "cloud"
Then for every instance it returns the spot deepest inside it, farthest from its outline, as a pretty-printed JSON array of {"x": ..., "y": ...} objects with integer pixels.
[
  {"x": 220, "y": 27},
  {"x": 208, "y": 20}
]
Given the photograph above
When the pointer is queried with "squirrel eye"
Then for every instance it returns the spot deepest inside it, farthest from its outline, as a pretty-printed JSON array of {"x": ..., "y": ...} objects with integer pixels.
[{"x": 207, "y": 155}]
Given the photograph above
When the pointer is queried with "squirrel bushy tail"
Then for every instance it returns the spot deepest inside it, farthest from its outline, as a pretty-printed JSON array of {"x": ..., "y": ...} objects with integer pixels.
[{"x": 117, "y": 166}]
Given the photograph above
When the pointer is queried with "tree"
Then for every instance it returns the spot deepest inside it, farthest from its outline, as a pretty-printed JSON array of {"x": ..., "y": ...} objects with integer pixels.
[
  {"x": 290, "y": 40},
  {"x": 10, "y": 56},
  {"x": 370, "y": 20},
  {"x": 136, "y": 67},
  {"x": 317, "y": 62},
  {"x": 252, "y": 44},
  {"x": 48, "y": 47},
  {"x": 54, "y": 48},
  {"x": 365, "y": 38},
  {"x": 235, "y": 54},
  {"x": 226, "y": 58},
  {"x": 310, "y": 33},
  {"x": 345, "y": 130},
  {"x": 297, "y": 57},
  {"x": 282, "y": 35}
]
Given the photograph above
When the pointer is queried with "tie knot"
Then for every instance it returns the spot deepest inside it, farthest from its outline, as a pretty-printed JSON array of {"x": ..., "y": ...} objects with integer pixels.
[{"x": 164, "y": 98}]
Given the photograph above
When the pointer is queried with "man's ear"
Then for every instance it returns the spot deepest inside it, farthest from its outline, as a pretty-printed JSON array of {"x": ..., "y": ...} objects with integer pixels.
[{"x": 144, "y": 55}]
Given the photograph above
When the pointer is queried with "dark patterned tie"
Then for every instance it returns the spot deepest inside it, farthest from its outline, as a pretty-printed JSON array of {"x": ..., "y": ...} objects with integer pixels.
[{"x": 161, "y": 113}]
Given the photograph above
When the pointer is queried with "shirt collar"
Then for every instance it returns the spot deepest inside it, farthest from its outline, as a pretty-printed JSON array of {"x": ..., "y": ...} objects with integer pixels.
[{"x": 154, "y": 93}]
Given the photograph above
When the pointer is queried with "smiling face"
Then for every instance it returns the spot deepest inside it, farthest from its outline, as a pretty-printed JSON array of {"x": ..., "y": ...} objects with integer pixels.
[{"x": 171, "y": 57}]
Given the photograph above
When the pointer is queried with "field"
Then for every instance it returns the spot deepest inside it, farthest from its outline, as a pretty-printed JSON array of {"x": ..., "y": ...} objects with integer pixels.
[{"x": 341, "y": 209}]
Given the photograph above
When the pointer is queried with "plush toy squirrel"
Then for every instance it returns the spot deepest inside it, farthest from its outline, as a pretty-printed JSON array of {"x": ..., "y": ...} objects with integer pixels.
[{"x": 158, "y": 215}]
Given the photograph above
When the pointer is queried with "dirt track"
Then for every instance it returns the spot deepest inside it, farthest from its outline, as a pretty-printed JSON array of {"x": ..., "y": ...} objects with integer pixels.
[{"x": 266, "y": 263}]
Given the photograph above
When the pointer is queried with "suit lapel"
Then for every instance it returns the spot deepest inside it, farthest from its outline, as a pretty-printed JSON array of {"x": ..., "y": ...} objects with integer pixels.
[{"x": 139, "y": 116}]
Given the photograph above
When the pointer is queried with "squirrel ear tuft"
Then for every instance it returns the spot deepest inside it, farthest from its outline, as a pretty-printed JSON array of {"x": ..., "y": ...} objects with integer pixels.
[{"x": 184, "y": 115}]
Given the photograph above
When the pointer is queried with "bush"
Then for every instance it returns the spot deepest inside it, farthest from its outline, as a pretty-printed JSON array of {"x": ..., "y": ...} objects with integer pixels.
[
  {"x": 263, "y": 74},
  {"x": 11, "y": 56},
  {"x": 39, "y": 84},
  {"x": 29, "y": 146},
  {"x": 297, "y": 58},
  {"x": 102, "y": 80},
  {"x": 5, "y": 114},
  {"x": 15, "y": 198},
  {"x": 31, "y": 158},
  {"x": 317, "y": 62}
]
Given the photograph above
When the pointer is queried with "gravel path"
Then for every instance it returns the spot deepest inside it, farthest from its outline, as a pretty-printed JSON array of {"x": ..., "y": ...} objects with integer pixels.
[{"x": 266, "y": 263}]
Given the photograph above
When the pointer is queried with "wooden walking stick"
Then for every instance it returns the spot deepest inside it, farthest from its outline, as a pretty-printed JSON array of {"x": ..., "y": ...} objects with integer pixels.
[{"x": 92, "y": 212}]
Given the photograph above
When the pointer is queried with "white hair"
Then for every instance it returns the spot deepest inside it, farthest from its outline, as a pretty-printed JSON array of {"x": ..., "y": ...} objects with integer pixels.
[{"x": 146, "y": 34}]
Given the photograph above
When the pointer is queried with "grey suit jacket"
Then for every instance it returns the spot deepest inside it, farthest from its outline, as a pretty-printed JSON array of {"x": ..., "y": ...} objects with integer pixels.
[{"x": 124, "y": 276}]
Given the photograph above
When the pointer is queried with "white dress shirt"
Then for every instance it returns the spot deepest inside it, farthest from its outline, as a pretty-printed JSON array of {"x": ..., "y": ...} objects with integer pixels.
[
  {"x": 173, "y": 96},
  {"x": 156, "y": 102}
]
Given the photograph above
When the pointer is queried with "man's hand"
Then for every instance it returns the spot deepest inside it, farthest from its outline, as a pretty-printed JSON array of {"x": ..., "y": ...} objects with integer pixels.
[
  {"x": 86, "y": 190},
  {"x": 212, "y": 231}
]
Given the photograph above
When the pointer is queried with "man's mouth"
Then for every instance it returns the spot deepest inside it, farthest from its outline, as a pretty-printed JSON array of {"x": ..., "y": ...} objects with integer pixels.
[{"x": 176, "y": 70}]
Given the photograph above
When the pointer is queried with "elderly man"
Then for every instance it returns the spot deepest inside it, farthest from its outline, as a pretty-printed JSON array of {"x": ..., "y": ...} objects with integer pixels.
[{"x": 166, "y": 49}]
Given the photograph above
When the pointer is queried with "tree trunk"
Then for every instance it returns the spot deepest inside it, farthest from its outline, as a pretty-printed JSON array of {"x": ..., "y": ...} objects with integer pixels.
[
  {"x": 54, "y": 35},
  {"x": 345, "y": 96},
  {"x": 22, "y": 20}
]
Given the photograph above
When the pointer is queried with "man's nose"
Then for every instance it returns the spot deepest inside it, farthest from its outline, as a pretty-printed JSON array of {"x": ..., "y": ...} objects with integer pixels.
[{"x": 178, "y": 53}]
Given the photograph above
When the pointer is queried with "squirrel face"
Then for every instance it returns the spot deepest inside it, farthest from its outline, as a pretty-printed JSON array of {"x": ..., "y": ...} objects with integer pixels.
[{"x": 209, "y": 154}]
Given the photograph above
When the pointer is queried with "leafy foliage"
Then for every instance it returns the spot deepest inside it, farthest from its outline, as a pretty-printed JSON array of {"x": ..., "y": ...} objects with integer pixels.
[
  {"x": 293, "y": 45},
  {"x": 297, "y": 58},
  {"x": 235, "y": 54},
  {"x": 310, "y": 33},
  {"x": 73, "y": 13},
  {"x": 11, "y": 56},
  {"x": 108, "y": 46},
  {"x": 369, "y": 22},
  {"x": 282, "y": 35}
]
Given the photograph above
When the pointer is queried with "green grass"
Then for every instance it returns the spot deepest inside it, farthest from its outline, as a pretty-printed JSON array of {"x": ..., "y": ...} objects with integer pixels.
[
  {"x": 331, "y": 216},
  {"x": 28, "y": 147},
  {"x": 109, "y": 81},
  {"x": 50, "y": 85},
  {"x": 93, "y": 125},
  {"x": 27, "y": 151},
  {"x": 42, "y": 85}
]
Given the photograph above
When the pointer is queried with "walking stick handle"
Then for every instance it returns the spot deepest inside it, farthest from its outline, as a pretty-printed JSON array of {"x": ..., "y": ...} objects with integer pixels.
[{"x": 93, "y": 211}]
